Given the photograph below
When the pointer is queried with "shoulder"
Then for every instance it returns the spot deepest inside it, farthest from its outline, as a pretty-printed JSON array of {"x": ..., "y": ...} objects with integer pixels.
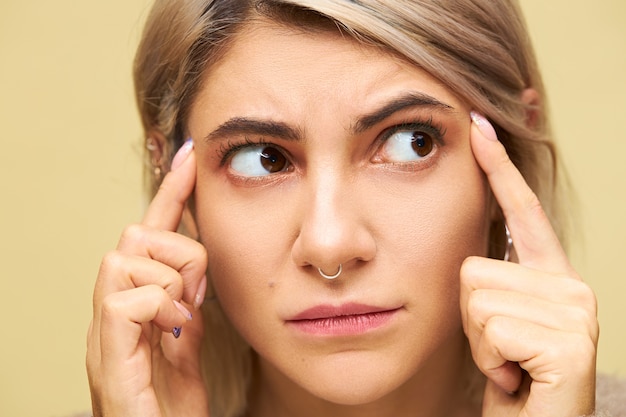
[{"x": 611, "y": 395}]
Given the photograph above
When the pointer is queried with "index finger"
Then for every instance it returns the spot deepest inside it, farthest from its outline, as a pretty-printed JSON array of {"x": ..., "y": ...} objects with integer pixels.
[
  {"x": 166, "y": 209},
  {"x": 535, "y": 241}
]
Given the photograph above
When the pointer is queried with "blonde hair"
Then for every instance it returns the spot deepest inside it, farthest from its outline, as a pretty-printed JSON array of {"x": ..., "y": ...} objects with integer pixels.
[{"x": 478, "y": 48}]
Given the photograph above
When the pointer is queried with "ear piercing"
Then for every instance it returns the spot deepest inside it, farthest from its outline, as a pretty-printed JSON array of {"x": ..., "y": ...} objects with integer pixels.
[
  {"x": 331, "y": 276},
  {"x": 156, "y": 162}
]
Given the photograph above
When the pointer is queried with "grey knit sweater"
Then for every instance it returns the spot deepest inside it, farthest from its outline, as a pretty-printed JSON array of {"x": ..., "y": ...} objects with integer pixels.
[{"x": 611, "y": 396}]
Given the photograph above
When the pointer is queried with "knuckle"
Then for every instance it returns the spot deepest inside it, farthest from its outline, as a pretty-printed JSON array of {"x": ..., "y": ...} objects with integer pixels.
[
  {"x": 584, "y": 298},
  {"x": 200, "y": 255},
  {"x": 112, "y": 265},
  {"x": 585, "y": 322},
  {"x": 475, "y": 303},
  {"x": 112, "y": 307},
  {"x": 587, "y": 298},
  {"x": 155, "y": 292},
  {"x": 495, "y": 328},
  {"x": 469, "y": 270},
  {"x": 589, "y": 311},
  {"x": 195, "y": 260},
  {"x": 112, "y": 261},
  {"x": 172, "y": 283},
  {"x": 132, "y": 235},
  {"x": 476, "y": 315},
  {"x": 579, "y": 315},
  {"x": 119, "y": 306},
  {"x": 196, "y": 252}
]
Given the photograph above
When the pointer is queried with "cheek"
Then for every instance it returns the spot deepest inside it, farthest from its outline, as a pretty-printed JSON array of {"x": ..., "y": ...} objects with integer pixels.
[
  {"x": 425, "y": 238},
  {"x": 246, "y": 246},
  {"x": 438, "y": 222}
]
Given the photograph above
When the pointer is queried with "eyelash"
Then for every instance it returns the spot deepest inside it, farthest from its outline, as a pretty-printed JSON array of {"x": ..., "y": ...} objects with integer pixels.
[
  {"x": 228, "y": 149},
  {"x": 427, "y": 126}
]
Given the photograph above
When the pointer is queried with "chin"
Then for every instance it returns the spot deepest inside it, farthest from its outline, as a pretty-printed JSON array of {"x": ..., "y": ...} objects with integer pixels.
[
  {"x": 366, "y": 392},
  {"x": 355, "y": 378}
]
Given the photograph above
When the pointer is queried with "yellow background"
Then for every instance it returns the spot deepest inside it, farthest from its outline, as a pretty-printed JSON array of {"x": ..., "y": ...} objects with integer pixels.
[{"x": 70, "y": 175}]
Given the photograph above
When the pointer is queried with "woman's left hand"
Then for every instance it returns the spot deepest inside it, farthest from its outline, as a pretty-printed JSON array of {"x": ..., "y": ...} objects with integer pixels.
[{"x": 531, "y": 325}]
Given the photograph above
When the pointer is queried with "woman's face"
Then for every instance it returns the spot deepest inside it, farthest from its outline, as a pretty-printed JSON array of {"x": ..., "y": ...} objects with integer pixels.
[{"x": 315, "y": 151}]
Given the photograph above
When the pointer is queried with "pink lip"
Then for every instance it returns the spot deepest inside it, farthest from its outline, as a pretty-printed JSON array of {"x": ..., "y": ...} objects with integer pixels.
[{"x": 345, "y": 320}]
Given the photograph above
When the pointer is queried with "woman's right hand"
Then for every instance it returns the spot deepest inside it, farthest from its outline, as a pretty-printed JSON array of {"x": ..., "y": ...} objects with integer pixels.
[{"x": 144, "y": 290}]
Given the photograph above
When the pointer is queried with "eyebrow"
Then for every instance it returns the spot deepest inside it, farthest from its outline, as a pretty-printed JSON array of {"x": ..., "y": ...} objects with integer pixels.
[
  {"x": 403, "y": 102},
  {"x": 251, "y": 126}
]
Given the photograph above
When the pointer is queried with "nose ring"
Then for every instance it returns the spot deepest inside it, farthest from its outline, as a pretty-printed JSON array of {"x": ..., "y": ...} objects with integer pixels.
[{"x": 331, "y": 276}]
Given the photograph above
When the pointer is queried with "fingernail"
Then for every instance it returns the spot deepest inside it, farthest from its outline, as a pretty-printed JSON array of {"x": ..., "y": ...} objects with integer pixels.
[
  {"x": 484, "y": 126},
  {"x": 182, "y": 154},
  {"x": 183, "y": 310},
  {"x": 199, "y": 298},
  {"x": 176, "y": 331}
]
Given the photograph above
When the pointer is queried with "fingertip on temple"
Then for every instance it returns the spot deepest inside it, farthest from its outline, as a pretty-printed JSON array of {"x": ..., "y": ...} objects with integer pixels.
[{"x": 484, "y": 126}]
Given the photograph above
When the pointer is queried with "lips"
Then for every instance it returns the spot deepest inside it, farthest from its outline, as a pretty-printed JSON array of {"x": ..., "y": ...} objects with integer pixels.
[
  {"x": 328, "y": 311},
  {"x": 347, "y": 319}
]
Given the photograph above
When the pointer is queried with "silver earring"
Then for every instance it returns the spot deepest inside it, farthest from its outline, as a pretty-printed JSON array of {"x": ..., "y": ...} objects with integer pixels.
[
  {"x": 331, "y": 276},
  {"x": 509, "y": 243}
]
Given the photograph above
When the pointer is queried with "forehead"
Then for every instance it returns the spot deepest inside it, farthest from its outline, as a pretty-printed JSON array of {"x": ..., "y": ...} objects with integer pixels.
[{"x": 270, "y": 65}]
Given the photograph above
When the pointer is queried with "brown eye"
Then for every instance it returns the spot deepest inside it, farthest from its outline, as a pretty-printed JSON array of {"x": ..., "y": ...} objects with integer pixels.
[
  {"x": 258, "y": 161},
  {"x": 272, "y": 159},
  {"x": 422, "y": 143},
  {"x": 408, "y": 145}
]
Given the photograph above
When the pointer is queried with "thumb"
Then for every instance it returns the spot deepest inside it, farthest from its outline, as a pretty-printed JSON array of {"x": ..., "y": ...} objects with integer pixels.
[{"x": 499, "y": 403}]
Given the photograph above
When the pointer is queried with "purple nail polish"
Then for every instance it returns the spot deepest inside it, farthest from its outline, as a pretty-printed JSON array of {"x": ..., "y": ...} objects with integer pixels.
[{"x": 176, "y": 331}]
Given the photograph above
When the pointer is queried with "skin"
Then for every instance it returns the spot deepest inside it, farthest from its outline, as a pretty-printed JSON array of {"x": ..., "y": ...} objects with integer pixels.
[
  {"x": 394, "y": 226},
  {"x": 411, "y": 236}
]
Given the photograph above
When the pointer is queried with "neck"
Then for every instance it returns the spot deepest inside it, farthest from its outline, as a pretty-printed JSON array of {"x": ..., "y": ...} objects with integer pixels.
[{"x": 440, "y": 388}]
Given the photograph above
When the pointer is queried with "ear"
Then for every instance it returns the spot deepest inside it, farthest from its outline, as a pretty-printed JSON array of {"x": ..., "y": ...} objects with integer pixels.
[{"x": 532, "y": 103}]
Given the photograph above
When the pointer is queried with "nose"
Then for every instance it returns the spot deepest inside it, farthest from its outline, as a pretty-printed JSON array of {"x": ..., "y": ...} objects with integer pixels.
[{"x": 333, "y": 231}]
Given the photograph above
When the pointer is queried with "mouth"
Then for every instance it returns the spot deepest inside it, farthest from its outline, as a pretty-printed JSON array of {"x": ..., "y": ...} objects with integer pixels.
[{"x": 345, "y": 320}]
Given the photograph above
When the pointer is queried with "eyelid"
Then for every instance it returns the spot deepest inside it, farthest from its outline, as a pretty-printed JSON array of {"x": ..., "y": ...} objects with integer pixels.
[
  {"x": 230, "y": 147},
  {"x": 436, "y": 131},
  {"x": 416, "y": 124}
]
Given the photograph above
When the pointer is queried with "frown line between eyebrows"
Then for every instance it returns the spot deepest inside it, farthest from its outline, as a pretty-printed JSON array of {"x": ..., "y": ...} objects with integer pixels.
[{"x": 403, "y": 102}]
